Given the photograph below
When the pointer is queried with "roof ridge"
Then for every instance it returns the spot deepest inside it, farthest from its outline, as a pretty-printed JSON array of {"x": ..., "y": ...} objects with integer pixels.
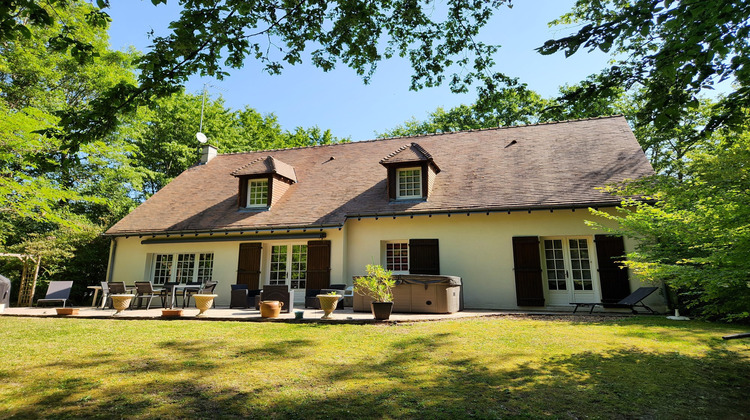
[{"x": 412, "y": 136}]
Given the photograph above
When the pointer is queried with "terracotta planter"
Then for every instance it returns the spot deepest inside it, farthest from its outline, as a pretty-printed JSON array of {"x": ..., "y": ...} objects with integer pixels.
[
  {"x": 270, "y": 308},
  {"x": 171, "y": 313},
  {"x": 381, "y": 310},
  {"x": 328, "y": 304},
  {"x": 67, "y": 311},
  {"x": 121, "y": 302},
  {"x": 203, "y": 302}
]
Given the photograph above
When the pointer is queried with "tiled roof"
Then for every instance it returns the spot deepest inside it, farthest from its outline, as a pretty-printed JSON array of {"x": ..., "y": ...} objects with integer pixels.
[{"x": 537, "y": 166}]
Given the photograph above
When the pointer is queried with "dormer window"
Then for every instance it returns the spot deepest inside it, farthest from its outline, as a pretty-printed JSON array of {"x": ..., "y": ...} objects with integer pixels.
[
  {"x": 262, "y": 182},
  {"x": 411, "y": 173},
  {"x": 409, "y": 183},
  {"x": 257, "y": 192}
]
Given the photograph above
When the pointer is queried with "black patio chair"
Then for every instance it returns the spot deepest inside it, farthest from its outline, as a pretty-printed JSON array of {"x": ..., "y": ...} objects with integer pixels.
[
  {"x": 192, "y": 287},
  {"x": 281, "y": 293},
  {"x": 166, "y": 294},
  {"x": 207, "y": 289},
  {"x": 144, "y": 290},
  {"x": 58, "y": 291},
  {"x": 632, "y": 301}
]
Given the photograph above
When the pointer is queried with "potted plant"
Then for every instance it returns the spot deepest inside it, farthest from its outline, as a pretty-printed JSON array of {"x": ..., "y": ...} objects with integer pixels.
[{"x": 378, "y": 285}]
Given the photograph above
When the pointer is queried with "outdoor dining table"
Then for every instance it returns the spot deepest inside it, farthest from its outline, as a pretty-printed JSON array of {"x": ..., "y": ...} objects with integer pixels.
[
  {"x": 96, "y": 294},
  {"x": 182, "y": 287}
]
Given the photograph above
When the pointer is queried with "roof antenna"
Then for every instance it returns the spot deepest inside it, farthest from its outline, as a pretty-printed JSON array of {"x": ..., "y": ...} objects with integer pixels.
[{"x": 199, "y": 135}]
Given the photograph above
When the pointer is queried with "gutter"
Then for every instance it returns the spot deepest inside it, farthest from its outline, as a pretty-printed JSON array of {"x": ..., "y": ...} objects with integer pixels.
[
  {"x": 487, "y": 211},
  {"x": 240, "y": 231}
]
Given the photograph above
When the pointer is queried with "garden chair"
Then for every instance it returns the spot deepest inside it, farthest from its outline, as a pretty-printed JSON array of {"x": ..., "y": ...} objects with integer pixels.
[
  {"x": 191, "y": 288},
  {"x": 166, "y": 294},
  {"x": 206, "y": 289},
  {"x": 105, "y": 295},
  {"x": 144, "y": 290},
  {"x": 279, "y": 292},
  {"x": 58, "y": 291},
  {"x": 634, "y": 300}
]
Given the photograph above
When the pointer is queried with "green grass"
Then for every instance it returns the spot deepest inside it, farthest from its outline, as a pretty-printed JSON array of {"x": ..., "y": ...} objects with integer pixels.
[{"x": 643, "y": 367}]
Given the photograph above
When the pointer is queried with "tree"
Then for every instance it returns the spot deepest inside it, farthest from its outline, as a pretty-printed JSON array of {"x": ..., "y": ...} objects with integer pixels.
[
  {"x": 164, "y": 135},
  {"x": 674, "y": 49},
  {"x": 695, "y": 237}
]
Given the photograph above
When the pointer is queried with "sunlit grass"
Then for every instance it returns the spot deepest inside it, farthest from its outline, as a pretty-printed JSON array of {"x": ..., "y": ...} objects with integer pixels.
[{"x": 495, "y": 367}]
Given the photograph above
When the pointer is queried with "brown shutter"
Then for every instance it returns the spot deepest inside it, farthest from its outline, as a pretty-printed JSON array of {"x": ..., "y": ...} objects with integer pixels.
[
  {"x": 424, "y": 256},
  {"x": 527, "y": 267},
  {"x": 248, "y": 267},
  {"x": 318, "y": 264},
  {"x": 242, "y": 194},
  {"x": 392, "y": 174},
  {"x": 613, "y": 277}
]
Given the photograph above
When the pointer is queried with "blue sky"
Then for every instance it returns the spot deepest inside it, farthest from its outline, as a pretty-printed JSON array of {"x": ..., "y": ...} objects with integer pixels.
[{"x": 338, "y": 100}]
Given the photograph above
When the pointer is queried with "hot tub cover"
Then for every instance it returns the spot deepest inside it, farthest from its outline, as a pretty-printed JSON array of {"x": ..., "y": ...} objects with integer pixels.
[{"x": 427, "y": 279}]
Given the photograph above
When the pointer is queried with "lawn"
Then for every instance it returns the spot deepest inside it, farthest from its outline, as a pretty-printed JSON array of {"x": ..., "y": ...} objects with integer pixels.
[{"x": 518, "y": 367}]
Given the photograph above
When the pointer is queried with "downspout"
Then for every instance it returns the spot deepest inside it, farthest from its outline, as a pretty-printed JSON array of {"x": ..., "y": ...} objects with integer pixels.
[{"x": 112, "y": 250}]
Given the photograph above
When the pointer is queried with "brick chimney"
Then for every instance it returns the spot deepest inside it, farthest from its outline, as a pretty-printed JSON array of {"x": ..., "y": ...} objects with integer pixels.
[{"x": 209, "y": 152}]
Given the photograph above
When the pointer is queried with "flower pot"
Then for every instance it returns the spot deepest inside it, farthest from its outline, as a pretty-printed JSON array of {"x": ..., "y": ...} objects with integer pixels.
[
  {"x": 381, "y": 310},
  {"x": 270, "y": 308},
  {"x": 171, "y": 313},
  {"x": 328, "y": 304},
  {"x": 67, "y": 311},
  {"x": 121, "y": 302},
  {"x": 203, "y": 302}
]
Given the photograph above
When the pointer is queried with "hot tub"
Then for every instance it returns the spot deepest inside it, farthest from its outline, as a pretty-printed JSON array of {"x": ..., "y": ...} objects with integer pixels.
[{"x": 421, "y": 293}]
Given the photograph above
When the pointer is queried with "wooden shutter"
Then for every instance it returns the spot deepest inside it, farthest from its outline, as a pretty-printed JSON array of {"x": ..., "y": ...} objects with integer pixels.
[
  {"x": 424, "y": 256},
  {"x": 613, "y": 277},
  {"x": 248, "y": 267},
  {"x": 392, "y": 175},
  {"x": 527, "y": 267},
  {"x": 318, "y": 264},
  {"x": 242, "y": 193}
]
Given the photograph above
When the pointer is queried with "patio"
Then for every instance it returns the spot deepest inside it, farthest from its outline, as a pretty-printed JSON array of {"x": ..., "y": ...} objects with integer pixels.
[{"x": 251, "y": 315}]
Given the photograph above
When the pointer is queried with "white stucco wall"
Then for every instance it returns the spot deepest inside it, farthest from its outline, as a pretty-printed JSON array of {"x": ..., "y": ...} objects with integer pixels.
[
  {"x": 131, "y": 262},
  {"x": 477, "y": 247}
]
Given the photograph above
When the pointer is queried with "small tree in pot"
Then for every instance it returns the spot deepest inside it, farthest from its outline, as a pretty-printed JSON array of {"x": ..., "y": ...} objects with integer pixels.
[{"x": 377, "y": 284}]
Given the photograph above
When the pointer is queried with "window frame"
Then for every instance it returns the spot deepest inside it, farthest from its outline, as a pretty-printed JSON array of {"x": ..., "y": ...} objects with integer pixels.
[
  {"x": 250, "y": 195},
  {"x": 202, "y": 266},
  {"x": 384, "y": 253},
  {"x": 419, "y": 175},
  {"x": 289, "y": 265}
]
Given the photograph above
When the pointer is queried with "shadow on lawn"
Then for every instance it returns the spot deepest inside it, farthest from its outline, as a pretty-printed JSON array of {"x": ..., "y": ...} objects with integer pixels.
[{"x": 420, "y": 376}]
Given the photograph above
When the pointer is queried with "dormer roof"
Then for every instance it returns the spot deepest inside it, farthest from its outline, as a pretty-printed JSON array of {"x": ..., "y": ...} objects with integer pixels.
[
  {"x": 409, "y": 153},
  {"x": 268, "y": 165}
]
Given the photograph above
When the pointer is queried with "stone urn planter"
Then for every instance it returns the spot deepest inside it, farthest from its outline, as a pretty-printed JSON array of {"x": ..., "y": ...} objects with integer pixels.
[
  {"x": 203, "y": 302},
  {"x": 270, "y": 308},
  {"x": 328, "y": 304},
  {"x": 121, "y": 301},
  {"x": 67, "y": 311}
]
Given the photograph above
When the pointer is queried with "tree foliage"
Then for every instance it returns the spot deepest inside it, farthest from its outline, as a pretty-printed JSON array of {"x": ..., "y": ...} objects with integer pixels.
[
  {"x": 697, "y": 235},
  {"x": 674, "y": 49},
  {"x": 165, "y": 143}
]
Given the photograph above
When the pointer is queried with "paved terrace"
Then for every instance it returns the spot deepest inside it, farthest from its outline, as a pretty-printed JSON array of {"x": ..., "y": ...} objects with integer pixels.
[{"x": 346, "y": 315}]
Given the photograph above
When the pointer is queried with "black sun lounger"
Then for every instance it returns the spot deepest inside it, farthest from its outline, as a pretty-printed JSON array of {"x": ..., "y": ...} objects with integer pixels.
[{"x": 632, "y": 301}]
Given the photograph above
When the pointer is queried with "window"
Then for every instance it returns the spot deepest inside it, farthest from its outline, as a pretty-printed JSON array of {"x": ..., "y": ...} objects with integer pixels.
[
  {"x": 397, "y": 257},
  {"x": 289, "y": 265},
  {"x": 257, "y": 192},
  {"x": 568, "y": 264},
  {"x": 409, "y": 183},
  {"x": 164, "y": 269}
]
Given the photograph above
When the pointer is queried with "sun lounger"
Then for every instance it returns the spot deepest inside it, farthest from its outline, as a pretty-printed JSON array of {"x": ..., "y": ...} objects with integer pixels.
[
  {"x": 58, "y": 291},
  {"x": 632, "y": 301}
]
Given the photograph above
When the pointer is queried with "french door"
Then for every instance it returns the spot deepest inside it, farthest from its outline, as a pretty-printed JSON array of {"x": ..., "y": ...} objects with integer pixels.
[
  {"x": 288, "y": 265},
  {"x": 569, "y": 271}
]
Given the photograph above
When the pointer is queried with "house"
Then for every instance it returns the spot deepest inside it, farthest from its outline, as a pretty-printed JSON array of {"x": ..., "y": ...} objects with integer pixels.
[{"x": 503, "y": 208}]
